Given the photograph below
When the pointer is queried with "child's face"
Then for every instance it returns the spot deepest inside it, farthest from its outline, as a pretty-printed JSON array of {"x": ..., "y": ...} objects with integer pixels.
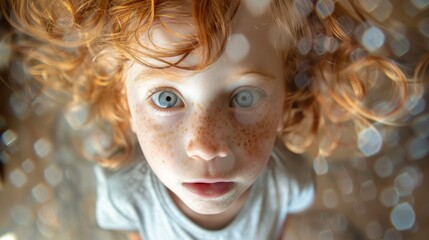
[{"x": 208, "y": 136}]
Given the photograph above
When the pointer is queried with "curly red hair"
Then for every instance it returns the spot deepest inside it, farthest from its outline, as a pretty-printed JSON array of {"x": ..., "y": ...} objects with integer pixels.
[{"x": 81, "y": 47}]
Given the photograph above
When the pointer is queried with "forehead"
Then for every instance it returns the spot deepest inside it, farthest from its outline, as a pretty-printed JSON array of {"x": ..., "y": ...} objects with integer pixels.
[{"x": 250, "y": 47}]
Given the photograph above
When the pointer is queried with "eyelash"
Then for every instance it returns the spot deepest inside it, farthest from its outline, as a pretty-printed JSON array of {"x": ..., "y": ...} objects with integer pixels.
[
  {"x": 157, "y": 89},
  {"x": 262, "y": 94}
]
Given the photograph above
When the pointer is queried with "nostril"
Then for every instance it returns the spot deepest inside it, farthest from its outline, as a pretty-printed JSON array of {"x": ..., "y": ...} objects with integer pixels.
[
  {"x": 199, "y": 149},
  {"x": 206, "y": 150}
]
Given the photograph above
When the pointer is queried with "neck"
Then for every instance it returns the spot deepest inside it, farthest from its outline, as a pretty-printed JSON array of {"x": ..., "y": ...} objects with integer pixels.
[{"x": 212, "y": 221}]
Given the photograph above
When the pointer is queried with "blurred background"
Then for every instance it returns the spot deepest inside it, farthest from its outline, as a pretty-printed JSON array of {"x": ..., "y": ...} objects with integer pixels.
[{"x": 48, "y": 189}]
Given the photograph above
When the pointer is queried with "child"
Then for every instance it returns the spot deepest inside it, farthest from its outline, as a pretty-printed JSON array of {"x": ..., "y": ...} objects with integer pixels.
[{"x": 214, "y": 91}]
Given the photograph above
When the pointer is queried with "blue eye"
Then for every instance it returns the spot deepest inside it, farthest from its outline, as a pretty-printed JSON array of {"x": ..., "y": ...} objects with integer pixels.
[
  {"x": 165, "y": 99},
  {"x": 246, "y": 98}
]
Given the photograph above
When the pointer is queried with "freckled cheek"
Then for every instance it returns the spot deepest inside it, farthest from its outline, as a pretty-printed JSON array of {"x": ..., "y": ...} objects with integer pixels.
[
  {"x": 157, "y": 140},
  {"x": 256, "y": 139}
]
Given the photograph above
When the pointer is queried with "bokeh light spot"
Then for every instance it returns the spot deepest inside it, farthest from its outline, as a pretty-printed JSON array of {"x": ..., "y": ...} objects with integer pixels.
[
  {"x": 400, "y": 45},
  {"x": 9, "y": 137},
  {"x": 324, "y": 44},
  {"x": 368, "y": 190},
  {"x": 20, "y": 105},
  {"x": 302, "y": 80},
  {"x": 418, "y": 148},
  {"x": 346, "y": 184},
  {"x": 28, "y": 165},
  {"x": 369, "y": 141},
  {"x": 407, "y": 181},
  {"x": 320, "y": 165},
  {"x": 303, "y": 7},
  {"x": 402, "y": 216},
  {"x": 42, "y": 147},
  {"x": 331, "y": 44},
  {"x": 420, "y": 4},
  {"x": 325, "y": 7},
  {"x": 9, "y": 235},
  {"x": 18, "y": 178},
  {"x": 383, "y": 167},
  {"x": 369, "y": 5},
  {"x": 358, "y": 54},
  {"x": 41, "y": 193},
  {"x": 389, "y": 197},
  {"x": 53, "y": 175},
  {"x": 416, "y": 106},
  {"x": 21, "y": 215},
  {"x": 257, "y": 7},
  {"x": 330, "y": 199},
  {"x": 383, "y": 11},
  {"x": 304, "y": 45},
  {"x": 237, "y": 48},
  {"x": 373, "y": 39}
]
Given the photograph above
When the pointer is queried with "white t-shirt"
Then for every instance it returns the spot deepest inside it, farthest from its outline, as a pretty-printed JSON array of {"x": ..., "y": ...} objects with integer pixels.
[{"x": 133, "y": 199}]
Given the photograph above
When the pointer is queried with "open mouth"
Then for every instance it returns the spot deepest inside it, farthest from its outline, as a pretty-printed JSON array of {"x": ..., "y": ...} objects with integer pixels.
[{"x": 209, "y": 190}]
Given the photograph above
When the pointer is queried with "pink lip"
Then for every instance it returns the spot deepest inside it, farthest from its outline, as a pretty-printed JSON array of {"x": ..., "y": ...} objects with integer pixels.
[{"x": 209, "y": 190}]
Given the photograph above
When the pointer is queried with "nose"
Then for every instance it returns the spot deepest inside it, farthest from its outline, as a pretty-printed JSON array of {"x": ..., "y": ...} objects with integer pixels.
[{"x": 208, "y": 138}]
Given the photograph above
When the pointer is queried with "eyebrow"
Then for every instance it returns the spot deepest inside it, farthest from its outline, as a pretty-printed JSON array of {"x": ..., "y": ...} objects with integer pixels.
[
  {"x": 265, "y": 75},
  {"x": 158, "y": 73}
]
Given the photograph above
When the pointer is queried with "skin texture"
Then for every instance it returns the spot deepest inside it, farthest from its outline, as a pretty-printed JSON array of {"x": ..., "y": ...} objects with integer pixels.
[{"x": 206, "y": 136}]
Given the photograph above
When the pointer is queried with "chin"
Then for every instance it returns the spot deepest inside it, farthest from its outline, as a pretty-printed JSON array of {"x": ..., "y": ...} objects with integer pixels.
[
  {"x": 213, "y": 206},
  {"x": 209, "y": 208}
]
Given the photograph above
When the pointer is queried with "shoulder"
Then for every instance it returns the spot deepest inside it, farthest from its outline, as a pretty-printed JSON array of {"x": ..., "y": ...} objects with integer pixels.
[
  {"x": 118, "y": 193},
  {"x": 294, "y": 176},
  {"x": 127, "y": 179}
]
